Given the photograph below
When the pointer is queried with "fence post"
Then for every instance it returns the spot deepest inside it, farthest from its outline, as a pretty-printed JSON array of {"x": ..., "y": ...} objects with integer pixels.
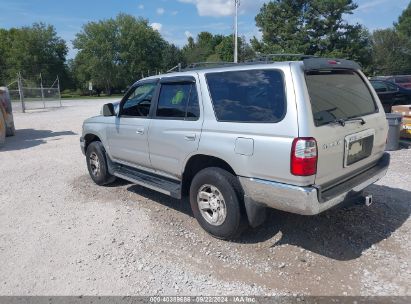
[
  {"x": 42, "y": 92},
  {"x": 20, "y": 85},
  {"x": 58, "y": 88}
]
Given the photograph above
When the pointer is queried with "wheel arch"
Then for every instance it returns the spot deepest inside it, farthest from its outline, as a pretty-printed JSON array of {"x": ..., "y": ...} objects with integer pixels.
[
  {"x": 198, "y": 162},
  {"x": 89, "y": 138}
]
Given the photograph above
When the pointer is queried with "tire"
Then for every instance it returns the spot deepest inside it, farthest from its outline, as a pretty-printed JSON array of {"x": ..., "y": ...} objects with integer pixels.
[
  {"x": 2, "y": 129},
  {"x": 219, "y": 192},
  {"x": 97, "y": 164},
  {"x": 11, "y": 131}
]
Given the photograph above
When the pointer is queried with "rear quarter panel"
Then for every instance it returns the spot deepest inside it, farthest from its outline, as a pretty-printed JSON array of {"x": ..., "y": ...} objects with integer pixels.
[{"x": 269, "y": 143}]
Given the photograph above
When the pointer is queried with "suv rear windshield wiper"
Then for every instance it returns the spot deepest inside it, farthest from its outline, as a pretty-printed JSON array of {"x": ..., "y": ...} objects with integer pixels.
[{"x": 343, "y": 121}]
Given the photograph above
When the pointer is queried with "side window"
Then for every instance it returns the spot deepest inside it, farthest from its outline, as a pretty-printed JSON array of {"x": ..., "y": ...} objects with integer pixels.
[
  {"x": 248, "y": 96},
  {"x": 139, "y": 101},
  {"x": 178, "y": 100},
  {"x": 379, "y": 86},
  {"x": 391, "y": 87}
]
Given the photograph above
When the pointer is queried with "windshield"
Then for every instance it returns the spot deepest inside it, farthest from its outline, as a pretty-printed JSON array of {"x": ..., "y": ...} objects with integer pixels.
[{"x": 338, "y": 94}]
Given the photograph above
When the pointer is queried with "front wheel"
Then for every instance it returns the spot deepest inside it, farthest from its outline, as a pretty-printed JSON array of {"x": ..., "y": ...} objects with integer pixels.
[
  {"x": 216, "y": 201},
  {"x": 97, "y": 164}
]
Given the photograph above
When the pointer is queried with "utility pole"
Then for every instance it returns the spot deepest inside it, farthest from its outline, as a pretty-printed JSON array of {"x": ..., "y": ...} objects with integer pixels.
[{"x": 237, "y": 4}]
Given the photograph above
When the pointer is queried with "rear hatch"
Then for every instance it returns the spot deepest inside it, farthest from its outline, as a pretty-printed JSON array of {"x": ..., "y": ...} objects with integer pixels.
[{"x": 349, "y": 125}]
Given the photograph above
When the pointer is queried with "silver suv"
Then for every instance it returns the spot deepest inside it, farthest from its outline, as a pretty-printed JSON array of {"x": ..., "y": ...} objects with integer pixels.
[{"x": 299, "y": 136}]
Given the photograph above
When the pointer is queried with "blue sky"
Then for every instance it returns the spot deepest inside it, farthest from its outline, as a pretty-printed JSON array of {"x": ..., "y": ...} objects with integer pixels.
[{"x": 175, "y": 19}]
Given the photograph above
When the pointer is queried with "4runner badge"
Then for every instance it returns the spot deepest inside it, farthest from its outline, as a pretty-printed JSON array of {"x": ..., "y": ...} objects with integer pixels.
[{"x": 332, "y": 145}]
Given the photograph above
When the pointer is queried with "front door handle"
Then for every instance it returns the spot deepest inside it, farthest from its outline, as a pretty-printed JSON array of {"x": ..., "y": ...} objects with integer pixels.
[
  {"x": 190, "y": 137},
  {"x": 140, "y": 131}
]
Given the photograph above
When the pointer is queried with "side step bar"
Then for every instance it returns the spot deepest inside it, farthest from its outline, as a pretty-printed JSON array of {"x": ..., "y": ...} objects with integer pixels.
[{"x": 149, "y": 180}]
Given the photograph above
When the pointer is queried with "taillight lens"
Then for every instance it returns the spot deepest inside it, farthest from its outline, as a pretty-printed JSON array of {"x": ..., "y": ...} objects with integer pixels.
[{"x": 304, "y": 156}]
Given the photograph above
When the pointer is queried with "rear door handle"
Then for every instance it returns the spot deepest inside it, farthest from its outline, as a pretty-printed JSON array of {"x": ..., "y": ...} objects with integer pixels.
[
  {"x": 140, "y": 131},
  {"x": 190, "y": 137}
]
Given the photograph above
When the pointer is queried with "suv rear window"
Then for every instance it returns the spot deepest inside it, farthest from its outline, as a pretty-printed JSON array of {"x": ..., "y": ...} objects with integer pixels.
[
  {"x": 248, "y": 96},
  {"x": 338, "y": 94}
]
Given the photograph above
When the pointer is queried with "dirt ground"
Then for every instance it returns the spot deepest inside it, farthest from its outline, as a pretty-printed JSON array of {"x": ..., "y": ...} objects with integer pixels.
[{"x": 61, "y": 234}]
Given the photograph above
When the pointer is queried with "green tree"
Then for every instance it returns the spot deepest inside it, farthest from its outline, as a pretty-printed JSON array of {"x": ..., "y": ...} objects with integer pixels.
[
  {"x": 172, "y": 56},
  {"x": 390, "y": 52},
  {"x": 314, "y": 27},
  {"x": 392, "y": 47},
  {"x": 404, "y": 22},
  {"x": 115, "y": 52},
  {"x": 32, "y": 50},
  {"x": 214, "y": 48},
  {"x": 225, "y": 50}
]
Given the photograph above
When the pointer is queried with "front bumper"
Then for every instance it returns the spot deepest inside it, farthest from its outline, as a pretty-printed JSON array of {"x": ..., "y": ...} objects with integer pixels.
[
  {"x": 83, "y": 145},
  {"x": 311, "y": 200}
]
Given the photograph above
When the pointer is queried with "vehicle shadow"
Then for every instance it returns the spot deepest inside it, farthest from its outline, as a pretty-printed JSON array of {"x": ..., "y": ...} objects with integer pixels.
[
  {"x": 165, "y": 200},
  {"x": 340, "y": 234},
  {"x": 28, "y": 138}
]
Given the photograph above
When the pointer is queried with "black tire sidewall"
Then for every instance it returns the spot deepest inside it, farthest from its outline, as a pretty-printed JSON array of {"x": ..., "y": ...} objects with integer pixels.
[
  {"x": 3, "y": 128},
  {"x": 11, "y": 130},
  {"x": 225, "y": 182},
  {"x": 104, "y": 176}
]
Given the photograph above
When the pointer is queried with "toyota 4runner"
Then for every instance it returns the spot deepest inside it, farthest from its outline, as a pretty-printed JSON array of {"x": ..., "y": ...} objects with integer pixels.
[{"x": 298, "y": 136}]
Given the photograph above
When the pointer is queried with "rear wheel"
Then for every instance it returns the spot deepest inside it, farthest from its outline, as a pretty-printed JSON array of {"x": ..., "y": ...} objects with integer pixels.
[
  {"x": 215, "y": 198},
  {"x": 2, "y": 129},
  {"x": 97, "y": 164}
]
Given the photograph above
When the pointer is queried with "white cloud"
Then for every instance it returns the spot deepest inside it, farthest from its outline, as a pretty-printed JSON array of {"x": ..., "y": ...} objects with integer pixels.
[
  {"x": 141, "y": 6},
  {"x": 156, "y": 26},
  {"x": 188, "y": 34},
  {"x": 174, "y": 13},
  {"x": 220, "y": 8},
  {"x": 160, "y": 11}
]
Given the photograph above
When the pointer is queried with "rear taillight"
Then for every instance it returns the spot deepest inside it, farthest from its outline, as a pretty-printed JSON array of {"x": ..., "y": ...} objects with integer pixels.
[{"x": 304, "y": 156}]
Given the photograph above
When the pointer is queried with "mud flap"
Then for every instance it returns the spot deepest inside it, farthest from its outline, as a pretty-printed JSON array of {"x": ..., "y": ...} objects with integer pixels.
[
  {"x": 256, "y": 213},
  {"x": 110, "y": 164}
]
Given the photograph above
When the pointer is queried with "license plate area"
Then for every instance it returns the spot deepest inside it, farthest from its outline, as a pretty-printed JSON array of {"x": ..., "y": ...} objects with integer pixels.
[{"x": 358, "y": 146}]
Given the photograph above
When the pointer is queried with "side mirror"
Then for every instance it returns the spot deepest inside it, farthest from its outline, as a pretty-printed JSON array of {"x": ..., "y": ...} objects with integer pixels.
[{"x": 108, "y": 110}]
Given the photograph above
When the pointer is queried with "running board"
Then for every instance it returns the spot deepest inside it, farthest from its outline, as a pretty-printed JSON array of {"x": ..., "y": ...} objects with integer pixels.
[{"x": 152, "y": 181}]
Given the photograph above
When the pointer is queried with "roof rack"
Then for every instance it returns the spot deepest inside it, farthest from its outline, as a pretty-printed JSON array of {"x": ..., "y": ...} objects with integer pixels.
[
  {"x": 207, "y": 64},
  {"x": 262, "y": 58},
  {"x": 270, "y": 57},
  {"x": 174, "y": 69},
  {"x": 200, "y": 65}
]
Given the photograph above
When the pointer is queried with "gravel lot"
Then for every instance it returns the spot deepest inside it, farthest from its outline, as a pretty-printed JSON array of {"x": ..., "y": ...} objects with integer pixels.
[{"x": 61, "y": 234}]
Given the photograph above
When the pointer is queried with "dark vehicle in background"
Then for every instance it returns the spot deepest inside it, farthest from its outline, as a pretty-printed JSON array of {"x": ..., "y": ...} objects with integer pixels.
[
  {"x": 400, "y": 80},
  {"x": 391, "y": 94}
]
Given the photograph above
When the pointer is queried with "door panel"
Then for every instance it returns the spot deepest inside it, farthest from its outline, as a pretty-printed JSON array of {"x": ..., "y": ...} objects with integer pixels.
[
  {"x": 171, "y": 141},
  {"x": 175, "y": 129},
  {"x": 127, "y": 137},
  {"x": 128, "y": 140}
]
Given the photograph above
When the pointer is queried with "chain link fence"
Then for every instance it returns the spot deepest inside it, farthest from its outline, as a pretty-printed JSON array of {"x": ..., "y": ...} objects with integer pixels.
[{"x": 33, "y": 93}]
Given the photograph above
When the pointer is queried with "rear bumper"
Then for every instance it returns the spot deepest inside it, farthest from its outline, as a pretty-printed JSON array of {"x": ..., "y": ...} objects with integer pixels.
[{"x": 311, "y": 200}]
